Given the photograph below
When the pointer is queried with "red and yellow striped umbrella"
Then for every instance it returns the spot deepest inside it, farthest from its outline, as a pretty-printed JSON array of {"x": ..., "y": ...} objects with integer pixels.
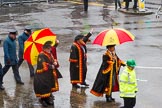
[
  {"x": 33, "y": 45},
  {"x": 113, "y": 37}
]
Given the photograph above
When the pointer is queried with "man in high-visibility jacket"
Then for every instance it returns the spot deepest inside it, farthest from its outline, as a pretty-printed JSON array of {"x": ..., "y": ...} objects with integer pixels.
[{"x": 128, "y": 84}]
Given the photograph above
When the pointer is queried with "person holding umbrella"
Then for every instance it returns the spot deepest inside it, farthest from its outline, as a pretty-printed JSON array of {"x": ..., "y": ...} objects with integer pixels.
[
  {"x": 107, "y": 78},
  {"x": 45, "y": 78},
  {"x": 21, "y": 39}
]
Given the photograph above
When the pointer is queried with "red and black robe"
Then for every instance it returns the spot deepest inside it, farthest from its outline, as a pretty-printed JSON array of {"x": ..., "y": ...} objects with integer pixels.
[
  {"x": 54, "y": 53},
  {"x": 77, "y": 63},
  {"x": 45, "y": 78},
  {"x": 107, "y": 78}
]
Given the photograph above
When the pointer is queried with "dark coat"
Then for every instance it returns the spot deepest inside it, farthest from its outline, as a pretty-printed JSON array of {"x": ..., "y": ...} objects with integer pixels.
[
  {"x": 107, "y": 77},
  {"x": 9, "y": 47},
  {"x": 128, "y": 0},
  {"x": 21, "y": 39},
  {"x": 45, "y": 78},
  {"x": 77, "y": 63}
]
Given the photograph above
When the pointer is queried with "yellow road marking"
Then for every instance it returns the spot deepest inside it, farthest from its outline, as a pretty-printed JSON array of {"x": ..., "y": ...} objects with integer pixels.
[{"x": 90, "y": 3}]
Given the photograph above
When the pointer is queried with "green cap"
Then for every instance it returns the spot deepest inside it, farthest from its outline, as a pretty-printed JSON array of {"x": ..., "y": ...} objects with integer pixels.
[{"x": 131, "y": 63}]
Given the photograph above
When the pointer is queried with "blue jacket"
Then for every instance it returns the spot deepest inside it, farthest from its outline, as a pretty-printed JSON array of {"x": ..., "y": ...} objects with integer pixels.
[
  {"x": 9, "y": 47},
  {"x": 21, "y": 39}
]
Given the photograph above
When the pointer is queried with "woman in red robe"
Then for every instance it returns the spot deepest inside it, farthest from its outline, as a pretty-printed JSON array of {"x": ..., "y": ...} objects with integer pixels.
[{"x": 54, "y": 53}]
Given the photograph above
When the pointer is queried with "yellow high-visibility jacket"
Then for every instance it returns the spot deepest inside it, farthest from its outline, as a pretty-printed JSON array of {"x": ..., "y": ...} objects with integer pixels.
[{"x": 128, "y": 83}]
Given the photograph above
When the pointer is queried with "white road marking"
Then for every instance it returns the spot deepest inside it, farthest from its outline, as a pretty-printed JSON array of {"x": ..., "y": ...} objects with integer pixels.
[
  {"x": 147, "y": 67},
  {"x": 142, "y": 80}
]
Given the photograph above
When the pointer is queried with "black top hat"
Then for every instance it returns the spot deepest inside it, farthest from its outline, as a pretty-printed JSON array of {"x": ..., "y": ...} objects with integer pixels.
[
  {"x": 47, "y": 44},
  {"x": 78, "y": 37}
]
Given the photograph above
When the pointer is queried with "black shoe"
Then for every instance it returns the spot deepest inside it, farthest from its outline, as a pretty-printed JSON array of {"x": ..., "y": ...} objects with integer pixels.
[
  {"x": 52, "y": 97},
  {"x": 32, "y": 75},
  {"x": 43, "y": 102},
  {"x": 126, "y": 8},
  {"x": 108, "y": 99},
  {"x": 85, "y": 84},
  {"x": 49, "y": 101},
  {"x": 1, "y": 87},
  {"x": 20, "y": 82},
  {"x": 122, "y": 107},
  {"x": 76, "y": 86},
  {"x": 112, "y": 99}
]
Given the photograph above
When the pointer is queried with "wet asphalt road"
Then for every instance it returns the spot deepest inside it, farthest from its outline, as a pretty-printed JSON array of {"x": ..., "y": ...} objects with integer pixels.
[{"x": 67, "y": 19}]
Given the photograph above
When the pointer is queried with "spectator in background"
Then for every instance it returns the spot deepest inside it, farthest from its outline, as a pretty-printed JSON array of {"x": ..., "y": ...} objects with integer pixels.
[
  {"x": 21, "y": 40},
  {"x": 85, "y": 5},
  {"x": 10, "y": 57},
  {"x": 117, "y": 2}
]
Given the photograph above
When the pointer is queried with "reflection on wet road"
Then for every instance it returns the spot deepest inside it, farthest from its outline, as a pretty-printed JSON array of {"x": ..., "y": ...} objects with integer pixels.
[{"x": 68, "y": 20}]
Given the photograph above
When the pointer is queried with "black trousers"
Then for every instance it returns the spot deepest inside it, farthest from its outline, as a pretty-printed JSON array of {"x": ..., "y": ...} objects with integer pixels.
[
  {"x": 126, "y": 4},
  {"x": 117, "y": 2},
  {"x": 129, "y": 102},
  {"x": 31, "y": 68},
  {"x": 85, "y": 5},
  {"x": 135, "y": 4},
  {"x": 15, "y": 72}
]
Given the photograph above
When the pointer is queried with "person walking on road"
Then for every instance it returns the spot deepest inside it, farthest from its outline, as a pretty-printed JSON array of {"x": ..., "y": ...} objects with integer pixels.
[
  {"x": 21, "y": 39},
  {"x": 117, "y": 2},
  {"x": 45, "y": 78},
  {"x": 127, "y": 4},
  {"x": 10, "y": 57},
  {"x": 78, "y": 60},
  {"x": 107, "y": 78},
  {"x": 85, "y": 5},
  {"x": 135, "y": 4},
  {"x": 128, "y": 84}
]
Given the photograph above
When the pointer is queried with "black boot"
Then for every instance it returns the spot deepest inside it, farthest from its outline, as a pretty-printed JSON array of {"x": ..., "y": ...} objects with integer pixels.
[
  {"x": 1, "y": 87},
  {"x": 49, "y": 101},
  {"x": 43, "y": 102},
  {"x": 109, "y": 99},
  {"x": 52, "y": 97}
]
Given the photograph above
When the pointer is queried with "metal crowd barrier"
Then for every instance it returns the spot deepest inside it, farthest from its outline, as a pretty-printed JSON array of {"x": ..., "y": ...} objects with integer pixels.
[{"x": 7, "y": 2}]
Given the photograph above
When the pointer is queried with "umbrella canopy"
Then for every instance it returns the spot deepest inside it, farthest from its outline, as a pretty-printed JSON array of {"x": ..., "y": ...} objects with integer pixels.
[
  {"x": 113, "y": 37},
  {"x": 33, "y": 45}
]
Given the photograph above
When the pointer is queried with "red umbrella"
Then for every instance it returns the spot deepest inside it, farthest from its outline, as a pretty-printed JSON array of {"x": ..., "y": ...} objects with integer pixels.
[
  {"x": 113, "y": 36},
  {"x": 33, "y": 45}
]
